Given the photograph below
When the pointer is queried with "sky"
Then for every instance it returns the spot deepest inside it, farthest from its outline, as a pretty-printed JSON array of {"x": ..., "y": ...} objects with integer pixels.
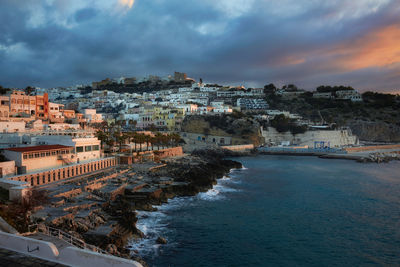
[{"x": 50, "y": 43}]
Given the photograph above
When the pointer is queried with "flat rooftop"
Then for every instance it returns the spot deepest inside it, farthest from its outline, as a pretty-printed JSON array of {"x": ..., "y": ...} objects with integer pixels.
[{"x": 37, "y": 148}]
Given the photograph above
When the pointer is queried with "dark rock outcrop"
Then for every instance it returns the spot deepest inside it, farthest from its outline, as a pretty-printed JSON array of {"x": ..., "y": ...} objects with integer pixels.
[
  {"x": 161, "y": 240},
  {"x": 375, "y": 131}
]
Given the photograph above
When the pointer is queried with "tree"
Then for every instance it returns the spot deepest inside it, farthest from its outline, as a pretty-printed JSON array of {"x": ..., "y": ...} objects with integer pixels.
[
  {"x": 158, "y": 139},
  {"x": 103, "y": 137},
  {"x": 140, "y": 138},
  {"x": 147, "y": 139},
  {"x": 29, "y": 90},
  {"x": 3, "y": 90},
  {"x": 133, "y": 138},
  {"x": 270, "y": 88},
  {"x": 165, "y": 139},
  {"x": 280, "y": 123},
  {"x": 175, "y": 138}
]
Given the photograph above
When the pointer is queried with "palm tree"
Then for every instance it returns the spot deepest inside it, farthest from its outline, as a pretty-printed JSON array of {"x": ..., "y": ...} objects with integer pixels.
[
  {"x": 175, "y": 138},
  {"x": 103, "y": 137},
  {"x": 153, "y": 140},
  {"x": 158, "y": 139},
  {"x": 147, "y": 139},
  {"x": 165, "y": 140},
  {"x": 141, "y": 139},
  {"x": 133, "y": 138}
]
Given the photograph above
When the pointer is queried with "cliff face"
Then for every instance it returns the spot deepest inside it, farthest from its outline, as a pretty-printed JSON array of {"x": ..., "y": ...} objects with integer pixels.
[
  {"x": 242, "y": 130},
  {"x": 375, "y": 131}
]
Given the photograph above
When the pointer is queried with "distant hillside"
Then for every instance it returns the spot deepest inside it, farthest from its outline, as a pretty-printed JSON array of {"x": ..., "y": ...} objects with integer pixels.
[
  {"x": 376, "y": 118},
  {"x": 144, "y": 87},
  {"x": 241, "y": 128}
]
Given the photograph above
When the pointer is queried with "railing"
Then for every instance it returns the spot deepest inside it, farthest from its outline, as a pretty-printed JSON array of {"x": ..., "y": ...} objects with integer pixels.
[{"x": 59, "y": 234}]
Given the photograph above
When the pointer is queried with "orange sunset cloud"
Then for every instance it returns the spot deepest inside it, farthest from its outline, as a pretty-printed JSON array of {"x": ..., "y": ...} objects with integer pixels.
[{"x": 380, "y": 48}]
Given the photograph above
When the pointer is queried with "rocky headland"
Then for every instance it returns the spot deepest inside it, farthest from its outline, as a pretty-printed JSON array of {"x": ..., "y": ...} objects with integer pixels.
[{"x": 102, "y": 209}]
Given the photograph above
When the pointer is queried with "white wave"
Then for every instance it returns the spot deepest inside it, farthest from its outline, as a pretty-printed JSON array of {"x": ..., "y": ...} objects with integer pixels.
[
  {"x": 153, "y": 224},
  {"x": 210, "y": 195}
]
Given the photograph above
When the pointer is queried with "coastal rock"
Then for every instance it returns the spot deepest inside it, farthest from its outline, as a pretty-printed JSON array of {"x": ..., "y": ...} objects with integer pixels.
[
  {"x": 112, "y": 249},
  {"x": 161, "y": 240}
]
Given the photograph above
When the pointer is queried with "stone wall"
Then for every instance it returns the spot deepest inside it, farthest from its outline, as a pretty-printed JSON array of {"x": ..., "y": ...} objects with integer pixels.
[
  {"x": 156, "y": 155},
  {"x": 169, "y": 152}
]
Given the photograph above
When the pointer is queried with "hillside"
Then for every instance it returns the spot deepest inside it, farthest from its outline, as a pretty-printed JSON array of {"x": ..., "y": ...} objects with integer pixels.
[
  {"x": 241, "y": 128},
  {"x": 376, "y": 118}
]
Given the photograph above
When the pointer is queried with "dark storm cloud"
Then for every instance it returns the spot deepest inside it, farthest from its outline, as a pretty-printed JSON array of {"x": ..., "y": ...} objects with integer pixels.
[{"x": 236, "y": 41}]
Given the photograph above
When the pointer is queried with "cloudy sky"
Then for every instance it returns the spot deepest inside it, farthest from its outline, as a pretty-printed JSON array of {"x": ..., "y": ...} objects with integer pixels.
[{"x": 252, "y": 42}]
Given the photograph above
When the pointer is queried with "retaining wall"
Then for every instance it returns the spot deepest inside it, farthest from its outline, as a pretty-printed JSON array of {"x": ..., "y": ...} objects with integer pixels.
[{"x": 336, "y": 138}]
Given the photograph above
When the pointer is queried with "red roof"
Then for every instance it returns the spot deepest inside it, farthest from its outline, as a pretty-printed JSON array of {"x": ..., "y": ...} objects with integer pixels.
[{"x": 37, "y": 148}]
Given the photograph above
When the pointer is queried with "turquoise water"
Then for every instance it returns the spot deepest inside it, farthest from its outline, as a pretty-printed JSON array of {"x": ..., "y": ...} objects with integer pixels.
[{"x": 283, "y": 211}]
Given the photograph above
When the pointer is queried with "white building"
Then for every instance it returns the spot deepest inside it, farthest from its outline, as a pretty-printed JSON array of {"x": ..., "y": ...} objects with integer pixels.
[{"x": 352, "y": 95}]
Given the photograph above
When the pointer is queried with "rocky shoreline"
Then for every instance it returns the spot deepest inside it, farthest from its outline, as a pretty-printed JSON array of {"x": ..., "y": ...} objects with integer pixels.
[
  {"x": 102, "y": 210},
  {"x": 376, "y": 157}
]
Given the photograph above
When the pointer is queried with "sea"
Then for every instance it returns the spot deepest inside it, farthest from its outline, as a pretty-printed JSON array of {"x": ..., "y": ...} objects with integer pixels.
[{"x": 282, "y": 211}]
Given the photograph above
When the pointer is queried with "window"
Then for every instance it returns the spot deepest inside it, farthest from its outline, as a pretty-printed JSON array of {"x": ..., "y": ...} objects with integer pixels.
[
  {"x": 49, "y": 177},
  {"x": 62, "y": 151},
  {"x": 42, "y": 154},
  {"x": 96, "y": 147},
  {"x": 88, "y": 148},
  {"x": 47, "y": 154},
  {"x": 53, "y": 153},
  {"x": 79, "y": 149},
  {"x": 31, "y": 156},
  {"x": 25, "y": 156},
  {"x": 37, "y": 155}
]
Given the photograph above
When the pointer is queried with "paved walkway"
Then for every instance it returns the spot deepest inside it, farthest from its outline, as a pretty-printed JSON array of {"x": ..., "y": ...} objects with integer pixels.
[
  {"x": 10, "y": 258},
  {"x": 60, "y": 244}
]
